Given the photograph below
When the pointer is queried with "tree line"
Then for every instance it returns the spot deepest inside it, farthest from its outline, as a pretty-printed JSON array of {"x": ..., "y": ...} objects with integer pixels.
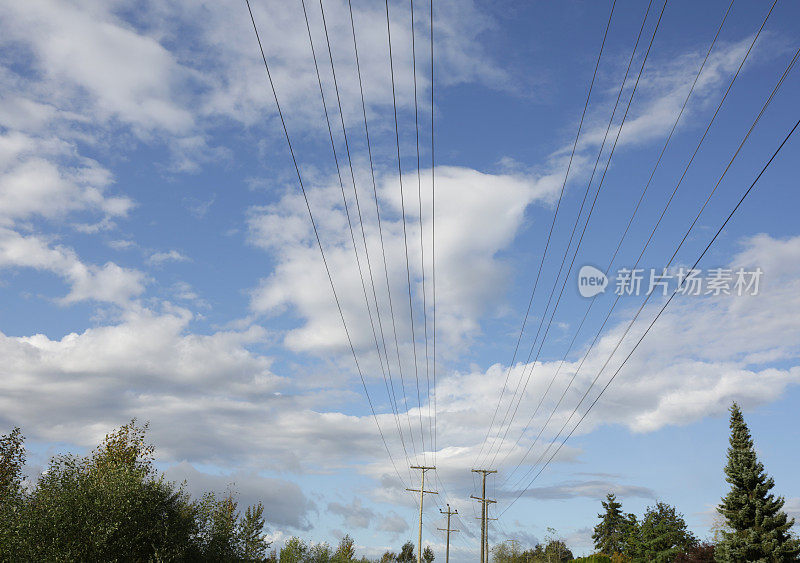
[
  {"x": 755, "y": 527},
  {"x": 113, "y": 505}
]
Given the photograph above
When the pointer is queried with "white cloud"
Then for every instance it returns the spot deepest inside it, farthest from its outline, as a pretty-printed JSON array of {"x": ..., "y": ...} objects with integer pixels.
[
  {"x": 478, "y": 215},
  {"x": 33, "y": 183},
  {"x": 126, "y": 75},
  {"x": 160, "y": 258},
  {"x": 107, "y": 283},
  {"x": 680, "y": 374}
]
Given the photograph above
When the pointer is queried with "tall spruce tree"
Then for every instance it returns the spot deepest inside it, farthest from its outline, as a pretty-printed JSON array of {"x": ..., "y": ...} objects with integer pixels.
[
  {"x": 610, "y": 535},
  {"x": 758, "y": 527}
]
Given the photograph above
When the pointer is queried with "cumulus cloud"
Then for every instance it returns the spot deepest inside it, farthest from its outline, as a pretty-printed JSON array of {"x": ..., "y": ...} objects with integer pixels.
[
  {"x": 478, "y": 215},
  {"x": 108, "y": 283},
  {"x": 127, "y": 75},
  {"x": 34, "y": 183},
  {"x": 680, "y": 374}
]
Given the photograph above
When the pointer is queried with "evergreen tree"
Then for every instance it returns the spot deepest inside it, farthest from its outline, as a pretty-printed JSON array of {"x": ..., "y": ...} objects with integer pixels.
[
  {"x": 251, "y": 534},
  {"x": 663, "y": 534},
  {"x": 611, "y": 534},
  {"x": 759, "y": 528},
  {"x": 427, "y": 554}
]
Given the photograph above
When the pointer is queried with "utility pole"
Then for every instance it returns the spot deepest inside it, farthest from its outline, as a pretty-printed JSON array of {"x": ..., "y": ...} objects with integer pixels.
[
  {"x": 486, "y": 540},
  {"x": 448, "y": 530},
  {"x": 421, "y": 492},
  {"x": 514, "y": 548},
  {"x": 484, "y": 513}
]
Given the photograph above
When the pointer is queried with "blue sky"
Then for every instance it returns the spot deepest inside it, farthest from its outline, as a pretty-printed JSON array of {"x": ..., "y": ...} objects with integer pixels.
[{"x": 157, "y": 261}]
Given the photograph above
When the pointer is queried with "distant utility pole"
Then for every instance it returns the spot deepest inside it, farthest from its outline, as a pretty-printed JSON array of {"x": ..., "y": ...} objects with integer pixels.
[
  {"x": 514, "y": 546},
  {"x": 484, "y": 513},
  {"x": 448, "y": 530},
  {"x": 421, "y": 492},
  {"x": 486, "y": 541}
]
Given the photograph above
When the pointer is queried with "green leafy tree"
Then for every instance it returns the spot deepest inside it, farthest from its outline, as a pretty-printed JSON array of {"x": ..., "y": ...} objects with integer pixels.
[
  {"x": 346, "y": 550},
  {"x": 319, "y": 553},
  {"x": 12, "y": 461},
  {"x": 611, "y": 535},
  {"x": 112, "y": 505},
  {"x": 406, "y": 554},
  {"x": 557, "y": 551},
  {"x": 427, "y": 554},
  {"x": 663, "y": 534},
  {"x": 502, "y": 553},
  {"x": 388, "y": 557},
  {"x": 108, "y": 506},
  {"x": 293, "y": 551},
  {"x": 758, "y": 528}
]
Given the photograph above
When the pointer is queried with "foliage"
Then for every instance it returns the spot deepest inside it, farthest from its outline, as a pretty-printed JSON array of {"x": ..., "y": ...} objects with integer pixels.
[
  {"x": 701, "y": 553},
  {"x": 293, "y": 551},
  {"x": 555, "y": 550},
  {"x": 113, "y": 506},
  {"x": 759, "y": 529},
  {"x": 427, "y": 554},
  {"x": 612, "y": 532},
  {"x": 406, "y": 554},
  {"x": 319, "y": 553},
  {"x": 12, "y": 460},
  {"x": 346, "y": 550},
  {"x": 662, "y": 535}
]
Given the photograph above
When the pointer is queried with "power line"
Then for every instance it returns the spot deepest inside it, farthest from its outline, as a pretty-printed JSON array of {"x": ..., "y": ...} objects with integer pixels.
[
  {"x": 674, "y": 254},
  {"x": 421, "y": 230},
  {"x": 591, "y": 210},
  {"x": 361, "y": 222},
  {"x": 347, "y": 213},
  {"x": 405, "y": 233},
  {"x": 550, "y": 233},
  {"x": 658, "y": 222},
  {"x": 380, "y": 232},
  {"x": 319, "y": 241},
  {"x": 433, "y": 251},
  {"x": 619, "y": 245},
  {"x": 669, "y": 300}
]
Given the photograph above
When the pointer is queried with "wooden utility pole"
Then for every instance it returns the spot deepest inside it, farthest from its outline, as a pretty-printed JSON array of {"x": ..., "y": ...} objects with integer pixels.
[
  {"x": 421, "y": 492},
  {"x": 448, "y": 530},
  {"x": 514, "y": 544},
  {"x": 486, "y": 540},
  {"x": 484, "y": 513}
]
